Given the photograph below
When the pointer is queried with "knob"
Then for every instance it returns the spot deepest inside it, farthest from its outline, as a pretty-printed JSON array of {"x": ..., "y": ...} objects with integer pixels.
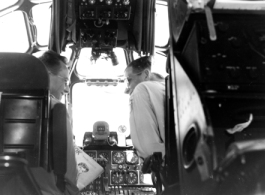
[
  {"x": 126, "y": 2},
  {"x": 108, "y": 2},
  {"x": 92, "y": 2}
]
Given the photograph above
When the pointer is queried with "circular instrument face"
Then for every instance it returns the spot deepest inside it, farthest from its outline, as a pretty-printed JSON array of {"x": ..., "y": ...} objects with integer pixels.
[
  {"x": 132, "y": 178},
  {"x": 92, "y": 2},
  {"x": 116, "y": 177},
  {"x": 122, "y": 128},
  {"x": 103, "y": 156},
  {"x": 132, "y": 158},
  {"x": 92, "y": 155},
  {"x": 108, "y": 2},
  {"x": 118, "y": 157}
]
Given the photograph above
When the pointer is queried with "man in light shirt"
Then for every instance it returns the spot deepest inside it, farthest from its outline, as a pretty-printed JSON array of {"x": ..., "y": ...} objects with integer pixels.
[{"x": 147, "y": 98}]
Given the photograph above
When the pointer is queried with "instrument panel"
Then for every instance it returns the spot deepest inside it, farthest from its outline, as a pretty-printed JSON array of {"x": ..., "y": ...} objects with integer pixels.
[
  {"x": 101, "y": 22},
  {"x": 104, "y": 9},
  {"x": 122, "y": 173},
  {"x": 235, "y": 61}
]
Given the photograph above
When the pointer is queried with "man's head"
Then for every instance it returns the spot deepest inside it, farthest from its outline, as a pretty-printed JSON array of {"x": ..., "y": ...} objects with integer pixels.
[
  {"x": 138, "y": 71},
  {"x": 58, "y": 73}
]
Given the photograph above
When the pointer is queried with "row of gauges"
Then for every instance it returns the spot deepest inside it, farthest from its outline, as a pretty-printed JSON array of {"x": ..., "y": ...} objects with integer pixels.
[
  {"x": 120, "y": 177},
  {"x": 108, "y": 2},
  {"x": 117, "y": 157}
]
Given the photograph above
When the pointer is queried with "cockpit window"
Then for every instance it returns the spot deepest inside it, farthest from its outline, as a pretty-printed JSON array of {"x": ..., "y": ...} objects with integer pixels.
[
  {"x": 159, "y": 62},
  {"x": 99, "y": 103},
  {"x": 161, "y": 24},
  {"x": 4, "y": 3},
  {"x": 10, "y": 40},
  {"x": 42, "y": 17},
  {"x": 102, "y": 67}
]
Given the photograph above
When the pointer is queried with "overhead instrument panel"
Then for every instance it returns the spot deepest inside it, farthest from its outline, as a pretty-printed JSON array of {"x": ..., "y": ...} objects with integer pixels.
[
  {"x": 99, "y": 22},
  {"x": 103, "y": 25},
  {"x": 104, "y": 9}
]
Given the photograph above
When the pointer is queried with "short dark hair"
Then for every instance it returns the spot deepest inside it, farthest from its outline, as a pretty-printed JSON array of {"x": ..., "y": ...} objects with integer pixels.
[
  {"x": 52, "y": 61},
  {"x": 141, "y": 64}
]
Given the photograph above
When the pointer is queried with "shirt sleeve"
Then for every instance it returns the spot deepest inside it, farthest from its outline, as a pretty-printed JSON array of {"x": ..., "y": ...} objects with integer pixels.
[
  {"x": 71, "y": 173},
  {"x": 143, "y": 123}
]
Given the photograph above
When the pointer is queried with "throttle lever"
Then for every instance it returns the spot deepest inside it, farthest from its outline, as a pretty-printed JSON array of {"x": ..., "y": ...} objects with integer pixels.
[{"x": 210, "y": 23}]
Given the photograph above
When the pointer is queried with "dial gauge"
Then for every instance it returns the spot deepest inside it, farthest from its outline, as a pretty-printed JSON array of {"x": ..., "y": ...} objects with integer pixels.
[
  {"x": 92, "y": 2},
  {"x": 117, "y": 177},
  {"x": 103, "y": 156},
  {"x": 131, "y": 177},
  {"x": 118, "y": 157},
  {"x": 122, "y": 129},
  {"x": 92, "y": 154},
  {"x": 132, "y": 158},
  {"x": 108, "y": 2}
]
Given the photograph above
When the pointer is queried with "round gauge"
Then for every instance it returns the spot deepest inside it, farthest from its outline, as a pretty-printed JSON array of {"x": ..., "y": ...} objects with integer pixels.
[
  {"x": 132, "y": 158},
  {"x": 116, "y": 177},
  {"x": 122, "y": 128},
  {"x": 92, "y": 155},
  {"x": 126, "y": 2},
  {"x": 108, "y": 2},
  {"x": 131, "y": 177},
  {"x": 92, "y": 2},
  {"x": 118, "y": 157},
  {"x": 103, "y": 156}
]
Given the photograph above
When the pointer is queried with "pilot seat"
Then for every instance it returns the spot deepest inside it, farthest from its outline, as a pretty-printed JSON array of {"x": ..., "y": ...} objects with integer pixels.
[{"x": 26, "y": 135}]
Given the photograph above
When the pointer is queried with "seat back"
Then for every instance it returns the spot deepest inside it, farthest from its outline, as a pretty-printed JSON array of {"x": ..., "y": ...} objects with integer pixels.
[
  {"x": 58, "y": 143},
  {"x": 14, "y": 171},
  {"x": 24, "y": 108}
]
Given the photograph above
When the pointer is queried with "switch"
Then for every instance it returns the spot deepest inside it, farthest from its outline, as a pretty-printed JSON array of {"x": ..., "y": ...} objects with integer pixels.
[{"x": 106, "y": 184}]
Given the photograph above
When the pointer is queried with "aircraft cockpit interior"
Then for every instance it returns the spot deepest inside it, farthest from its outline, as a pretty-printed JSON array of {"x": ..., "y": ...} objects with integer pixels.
[
  {"x": 209, "y": 58},
  {"x": 98, "y": 38}
]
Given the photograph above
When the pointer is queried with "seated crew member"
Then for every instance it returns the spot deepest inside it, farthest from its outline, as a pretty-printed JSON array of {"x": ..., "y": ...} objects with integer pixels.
[
  {"x": 146, "y": 108},
  {"x": 153, "y": 77},
  {"x": 58, "y": 74}
]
